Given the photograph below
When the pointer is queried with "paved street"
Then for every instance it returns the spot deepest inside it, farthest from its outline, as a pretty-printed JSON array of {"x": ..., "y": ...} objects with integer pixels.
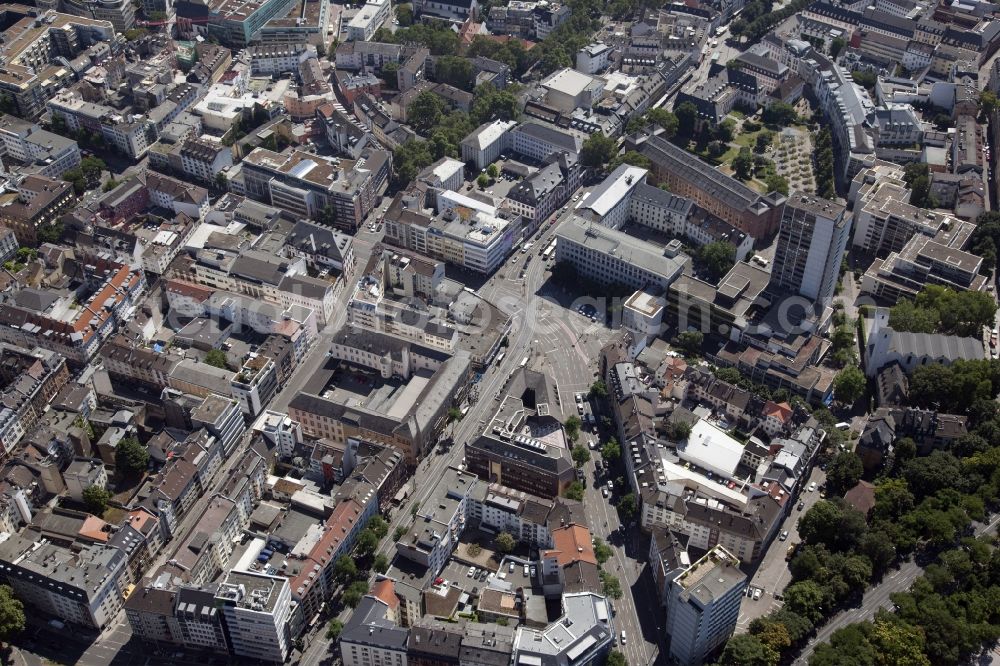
[
  {"x": 565, "y": 345},
  {"x": 772, "y": 573}
]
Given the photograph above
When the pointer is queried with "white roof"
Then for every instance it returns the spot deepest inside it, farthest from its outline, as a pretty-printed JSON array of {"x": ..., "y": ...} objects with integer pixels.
[
  {"x": 568, "y": 81},
  {"x": 613, "y": 189},
  {"x": 488, "y": 133},
  {"x": 710, "y": 448},
  {"x": 448, "y": 168}
]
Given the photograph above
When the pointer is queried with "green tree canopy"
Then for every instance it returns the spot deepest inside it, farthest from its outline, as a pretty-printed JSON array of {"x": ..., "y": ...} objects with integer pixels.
[
  {"x": 597, "y": 150},
  {"x": 455, "y": 71},
  {"x": 843, "y": 473},
  {"x": 12, "y": 618},
  {"x": 367, "y": 542},
  {"x": 574, "y": 491},
  {"x": 690, "y": 341},
  {"x": 832, "y": 524},
  {"x": 748, "y": 650},
  {"x": 632, "y": 158},
  {"x": 334, "y": 629},
  {"x": 849, "y": 385},
  {"x": 96, "y": 498},
  {"x": 345, "y": 569},
  {"x": 665, "y": 119},
  {"x": 354, "y": 592},
  {"x": 611, "y": 450},
  {"x": 941, "y": 310},
  {"x": 627, "y": 506},
  {"x": 615, "y": 658},
  {"x": 781, "y": 114},
  {"x": 602, "y": 551},
  {"x": 425, "y": 112},
  {"x": 572, "y": 426},
  {"x": 807, "y": 599},
  {"x": 216, "y": 357},
  {"x": 131, "y": 457},
  {"x": 505, "y": 542},
  {"x": 718, "y": 257},
  {"x": 743, "y": 164},
  {"x": 610, "y": 585},
  {"x": 581, "y": 455},
  {"x": 687, "y": 119}
]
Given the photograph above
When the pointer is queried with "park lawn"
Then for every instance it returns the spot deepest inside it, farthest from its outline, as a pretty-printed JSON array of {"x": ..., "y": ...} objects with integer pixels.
[
  {"x": 725, "y": 158},
  {"x": 749, "y": 139}
]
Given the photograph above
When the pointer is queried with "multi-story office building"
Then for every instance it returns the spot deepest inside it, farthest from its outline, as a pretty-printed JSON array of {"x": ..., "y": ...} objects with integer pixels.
[
  {"x": 204, "y": 160},
  {"x": 132, "y": 136},
  {"x": 847, "y": 108},
  {"x": 885, "y": 221},
  {"x": 593, "y": 58},
  {"x": 371, "y": 55},
  {"x": 608, "y": 203},
  {"x": 520, "y": 462},
  {"x": 37, "y": 150},
  {"x": 271, "y": 59},
  {"x": 582, "y": 635},
  {"x": 312, "y": 186},
  {"x": 409, "y": 420},
  {"x": 439, "y": 523},
  {"x": 484, "y": 146},
  {"x": 450, "y": 10},
  {"x": 465, "y": 231},
  {"x": 537, "y": 141},
  {"x": 543, "y": 192},
  {"x": 236, "y": 24},
  {"x": 703, "y": 605},
  {"x": 119, "y": 13},
  {"x": 608, "y": 256},
  {"x": 723, "y": 196},
  {"x": 8, "y": 244},
  {"x": 922, "y": 261},
  {"x": 363, "y": 25},
  {"x": 256, "y": 609},
  {"x": 37, "y": 203},
  {"x": 255, "y": 384},
  {"x": 83, "y": 587},
  {"x": 223, "y": 419},
  {"x": 370, "y": 638},
  {"x": 811, "y": 244}
]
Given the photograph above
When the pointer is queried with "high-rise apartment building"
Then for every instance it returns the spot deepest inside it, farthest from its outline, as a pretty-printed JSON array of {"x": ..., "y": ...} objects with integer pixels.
[
  {"x": 811, "y": 242},
  {"x": 703, "y": 605}
]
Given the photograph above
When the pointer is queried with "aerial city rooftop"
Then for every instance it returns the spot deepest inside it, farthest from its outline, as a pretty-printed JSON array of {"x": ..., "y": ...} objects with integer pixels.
[{"x": 528, "y": 333}]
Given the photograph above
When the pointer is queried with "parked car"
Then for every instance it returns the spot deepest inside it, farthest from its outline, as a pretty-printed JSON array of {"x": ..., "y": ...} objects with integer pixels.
[
  {"x": 812, "y": 487},
  {"x": 784, "y": 536}
]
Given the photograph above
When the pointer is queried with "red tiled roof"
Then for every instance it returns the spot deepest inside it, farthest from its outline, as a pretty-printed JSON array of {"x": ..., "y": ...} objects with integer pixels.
[
  {"x": 385, "y": 591},
  {"x": 572, "y": 544},
  {"x": 781, "y": 411}
]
